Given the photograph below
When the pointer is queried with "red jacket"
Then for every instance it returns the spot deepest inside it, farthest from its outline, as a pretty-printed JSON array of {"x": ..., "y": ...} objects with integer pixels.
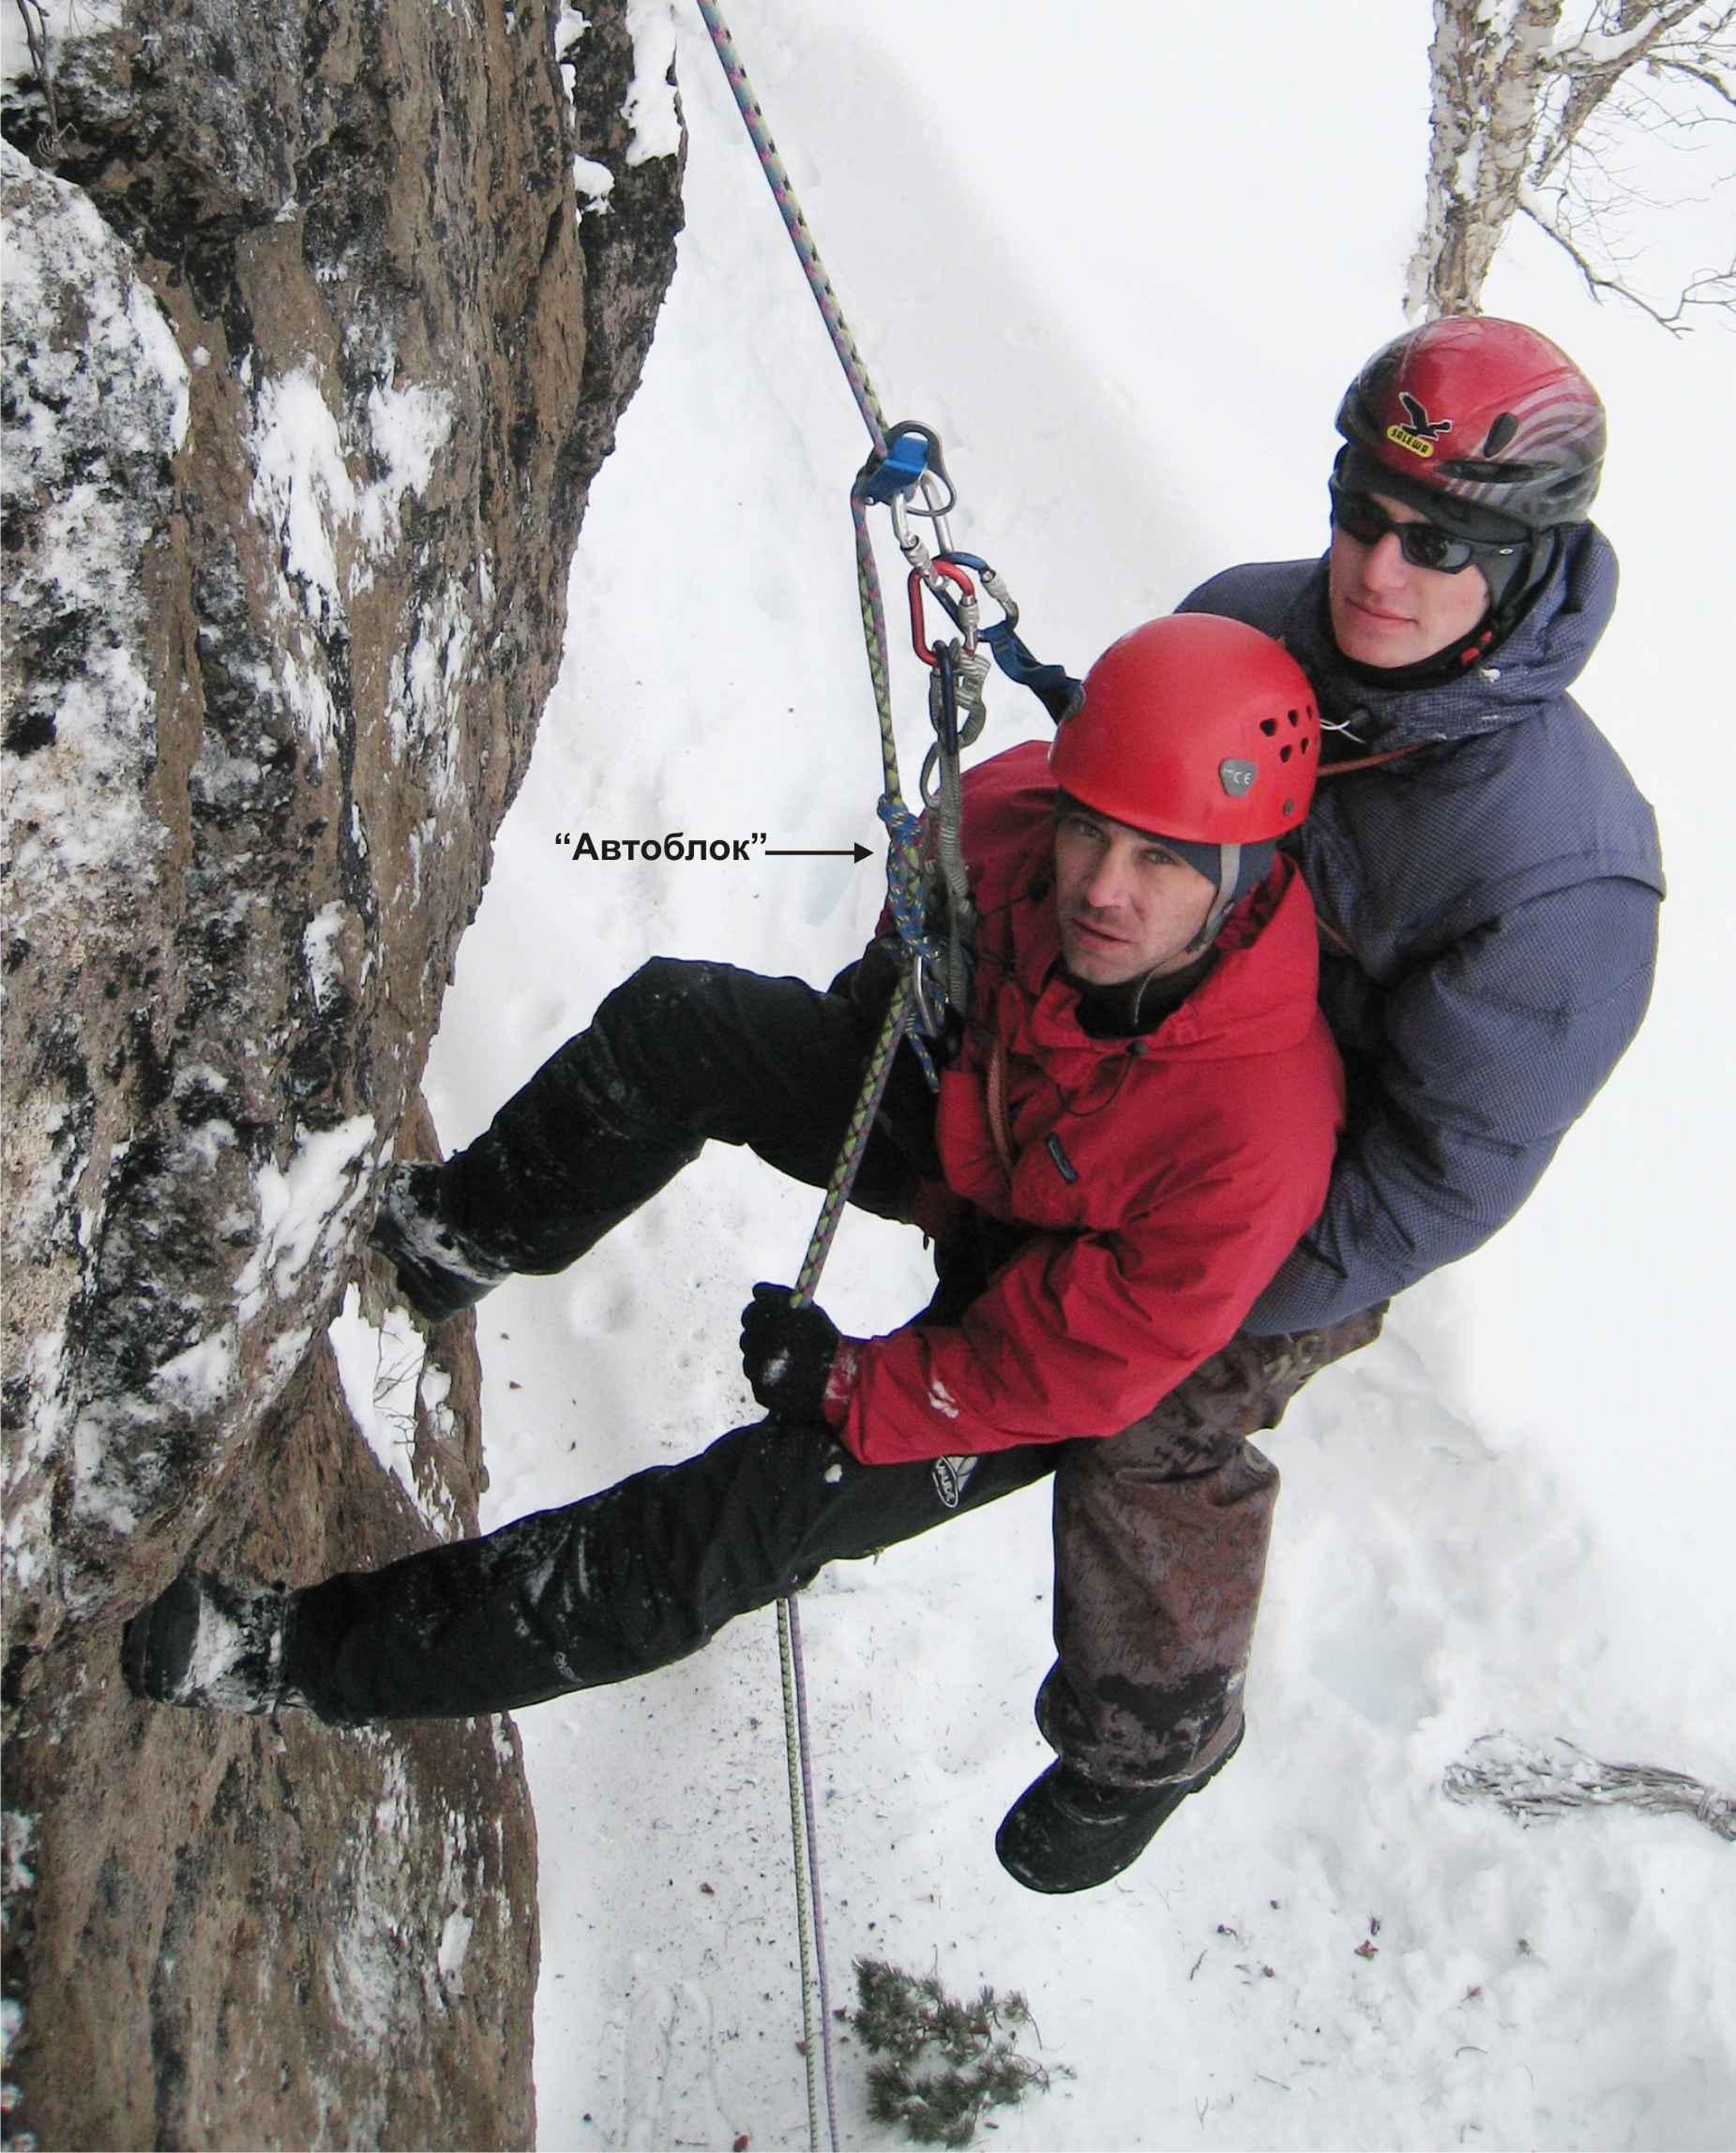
[{"x": 1167, "y": 1176}]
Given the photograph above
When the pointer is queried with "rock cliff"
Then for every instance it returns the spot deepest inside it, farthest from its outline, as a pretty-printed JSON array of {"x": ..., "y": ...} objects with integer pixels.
[{"x": 318, "y": 323}]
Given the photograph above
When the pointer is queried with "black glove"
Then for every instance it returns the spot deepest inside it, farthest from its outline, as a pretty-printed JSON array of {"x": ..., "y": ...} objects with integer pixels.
[{"x": 787, "y": 1352}]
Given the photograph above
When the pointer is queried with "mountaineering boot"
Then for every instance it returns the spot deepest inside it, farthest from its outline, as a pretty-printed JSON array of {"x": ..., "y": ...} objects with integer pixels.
[
  {"x": 203, "y": 1642},
  {"x": 1066, "y": 1833},
  {"x": 440, "y": 1271}
]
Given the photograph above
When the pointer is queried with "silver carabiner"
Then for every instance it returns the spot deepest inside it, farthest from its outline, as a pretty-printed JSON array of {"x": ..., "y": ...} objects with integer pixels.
[{"x": 930, "y": 1015}]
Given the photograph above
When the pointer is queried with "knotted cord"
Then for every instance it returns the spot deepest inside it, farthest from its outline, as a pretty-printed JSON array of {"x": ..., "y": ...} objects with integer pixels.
[{"x": 1537, "y": 1781}]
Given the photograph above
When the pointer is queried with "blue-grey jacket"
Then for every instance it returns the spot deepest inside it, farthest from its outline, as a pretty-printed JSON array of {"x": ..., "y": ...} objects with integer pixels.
[{"x": 1488, "y": 926}]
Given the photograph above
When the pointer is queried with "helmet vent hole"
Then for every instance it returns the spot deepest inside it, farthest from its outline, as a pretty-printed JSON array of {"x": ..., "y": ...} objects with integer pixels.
[
  {"x": 1286, "y": 751},
  {"x": 1500, "y": 433},
  {"x": 1268, "y": 725},
  {"x": 1295, "y": 717}
]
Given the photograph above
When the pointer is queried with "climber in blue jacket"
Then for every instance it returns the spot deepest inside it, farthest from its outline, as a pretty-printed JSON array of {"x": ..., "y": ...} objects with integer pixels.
[{"x": 1486, "y": 879}]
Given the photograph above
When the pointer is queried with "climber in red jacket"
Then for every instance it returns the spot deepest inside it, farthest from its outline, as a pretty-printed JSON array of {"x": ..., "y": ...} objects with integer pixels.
[
  {"x": 1137, "y": 1127},
  {"x": 1159, "y": 1150}
]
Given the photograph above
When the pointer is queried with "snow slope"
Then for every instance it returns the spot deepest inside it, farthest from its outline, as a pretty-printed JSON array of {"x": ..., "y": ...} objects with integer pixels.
[{"x": 1123, "y": 259}]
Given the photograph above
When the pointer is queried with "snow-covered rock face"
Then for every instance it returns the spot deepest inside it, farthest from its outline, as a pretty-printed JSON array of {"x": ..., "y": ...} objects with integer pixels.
[{"x": 308, "y": 362}]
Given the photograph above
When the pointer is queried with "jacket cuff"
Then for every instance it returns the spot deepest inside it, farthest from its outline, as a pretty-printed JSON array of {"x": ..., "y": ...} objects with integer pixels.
[
  {"x": 841, "y": 1379},
  {"x": 938, "y": 1211}
]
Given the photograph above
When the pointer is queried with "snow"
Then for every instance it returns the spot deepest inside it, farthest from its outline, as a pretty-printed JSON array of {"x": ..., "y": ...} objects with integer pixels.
[
  {"x": 362, "y": 1969},
  {"x": 303, "y": 1209},
  {"x": 407, "y": 429},
  {"x": 330, "y": 529},
  {"x": 380, "y": 1366},
  {"x": 595, "y": 181},
  {"x": 302, "y": 487},
  {"x": 322, "y": 957},
  {"x": 455, "y": 1937},
  {"x": 17, "y": 1833},
  {"x": 385, "y": 1370},
  {"x": 1125, "y": 263},
  {"x": 427, "y": 702},
  {"x": 76, "y": 808},
  {"x": 651, "y": 109},
  {"x": 1126, "y": 268}
]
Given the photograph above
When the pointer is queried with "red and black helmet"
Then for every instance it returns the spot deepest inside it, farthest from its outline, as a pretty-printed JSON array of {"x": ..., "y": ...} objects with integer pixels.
[
  {"x": 1194, "y": 727},
  {"x": 1485, "y": 425}
]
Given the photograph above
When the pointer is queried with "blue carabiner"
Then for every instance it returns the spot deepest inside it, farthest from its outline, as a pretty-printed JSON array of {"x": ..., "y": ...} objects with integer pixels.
[{"x": 900, "y": 471}]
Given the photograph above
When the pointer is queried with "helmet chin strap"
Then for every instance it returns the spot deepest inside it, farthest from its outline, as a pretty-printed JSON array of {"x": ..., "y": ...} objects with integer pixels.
[
  {"x": 1229, "y": 872},
  {"x": 1235, "y": 864}
]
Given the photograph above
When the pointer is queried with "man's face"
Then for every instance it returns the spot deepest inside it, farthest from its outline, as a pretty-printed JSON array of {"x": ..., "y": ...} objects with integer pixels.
[
  {"x": 1127, "y": 906},
  {"x": 1387, "y": 612}
]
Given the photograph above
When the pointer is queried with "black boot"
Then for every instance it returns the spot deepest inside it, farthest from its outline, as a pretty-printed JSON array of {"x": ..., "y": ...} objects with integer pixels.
[
  {"x": 203, "y": 1642},
  {"x": 440, "y": 1271},
  {"x": 1066, "y": 1833}
]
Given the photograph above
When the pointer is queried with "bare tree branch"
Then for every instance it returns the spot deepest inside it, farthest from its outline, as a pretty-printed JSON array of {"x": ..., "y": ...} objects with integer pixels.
[
  {"x": 1707, "y": 80},
  {"x": 33, "y": 15},
  {"x": 1543, "y": 119},
  {"x": 1596, "y": 284}
]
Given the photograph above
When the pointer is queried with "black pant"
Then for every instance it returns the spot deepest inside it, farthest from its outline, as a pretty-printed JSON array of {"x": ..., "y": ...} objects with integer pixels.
[
  {"x": 1161, "y": 1531},
  {"x": 624, "y": 1581},
  {"x": 676, "y": 1055},
  {"x": 646, "y": 1571}
]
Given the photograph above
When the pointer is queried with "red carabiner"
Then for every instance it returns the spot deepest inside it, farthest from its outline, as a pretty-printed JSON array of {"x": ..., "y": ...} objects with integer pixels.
[{"x": 917, "y": 579}]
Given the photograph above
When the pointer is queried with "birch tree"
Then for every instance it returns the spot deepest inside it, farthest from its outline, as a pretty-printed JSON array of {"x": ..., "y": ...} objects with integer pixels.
[{"x": 1562, "y": 111}]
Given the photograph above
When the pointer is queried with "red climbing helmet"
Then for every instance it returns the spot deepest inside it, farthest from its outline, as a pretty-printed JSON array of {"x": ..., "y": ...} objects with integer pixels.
[
  {"x": 1485, "y": 425},
  {"x": 1194, "y": 727}
]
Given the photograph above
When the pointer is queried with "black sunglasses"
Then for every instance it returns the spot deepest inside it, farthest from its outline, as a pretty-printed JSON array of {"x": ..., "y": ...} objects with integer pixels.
[{"x": 1363, "y": 518}]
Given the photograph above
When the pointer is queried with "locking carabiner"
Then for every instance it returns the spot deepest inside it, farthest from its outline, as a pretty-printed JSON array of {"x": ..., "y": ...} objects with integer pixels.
[
  {"x": 963, "y": 614},
  {"x": 991, "y": 582}
]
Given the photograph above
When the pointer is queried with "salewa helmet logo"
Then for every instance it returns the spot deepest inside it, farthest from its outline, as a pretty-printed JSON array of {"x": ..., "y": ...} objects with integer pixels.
[{"x": 1423, "y": 433}]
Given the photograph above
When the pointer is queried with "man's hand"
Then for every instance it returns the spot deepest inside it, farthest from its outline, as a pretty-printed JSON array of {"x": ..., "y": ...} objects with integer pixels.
[{"x": 786, "y": 1353}]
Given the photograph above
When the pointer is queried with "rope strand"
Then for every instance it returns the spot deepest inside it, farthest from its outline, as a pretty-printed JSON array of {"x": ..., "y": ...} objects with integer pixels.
[
  {"x": 807, "y": 253},
  {"x": 816, "y": 1903},
  {"x": 794, "y": 1739},
  {"x": 880, "y": 1064}
]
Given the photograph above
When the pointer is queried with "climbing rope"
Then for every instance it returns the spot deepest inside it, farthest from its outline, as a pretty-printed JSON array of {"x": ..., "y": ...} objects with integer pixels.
[
  {"x": 905, "y": 464},
  {"x": 778, "y": 179},
  {"x": 903, "y": 882},
  {"x": 811, "y": 1934}
]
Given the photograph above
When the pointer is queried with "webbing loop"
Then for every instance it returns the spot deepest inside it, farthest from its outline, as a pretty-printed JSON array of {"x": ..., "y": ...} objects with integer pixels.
[{"x": 1372, "y": 761}]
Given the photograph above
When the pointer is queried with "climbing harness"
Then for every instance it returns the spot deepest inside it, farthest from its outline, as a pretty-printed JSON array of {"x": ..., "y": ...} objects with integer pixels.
[{"x": 926, "y": 891}]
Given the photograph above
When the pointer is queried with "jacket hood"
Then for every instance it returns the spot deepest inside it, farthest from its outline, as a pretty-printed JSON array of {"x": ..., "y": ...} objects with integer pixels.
[{"x": 1535, "y": 665}]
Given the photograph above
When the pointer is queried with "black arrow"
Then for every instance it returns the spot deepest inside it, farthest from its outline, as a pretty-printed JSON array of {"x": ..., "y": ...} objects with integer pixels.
[{"x": 851, "y": 852}]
